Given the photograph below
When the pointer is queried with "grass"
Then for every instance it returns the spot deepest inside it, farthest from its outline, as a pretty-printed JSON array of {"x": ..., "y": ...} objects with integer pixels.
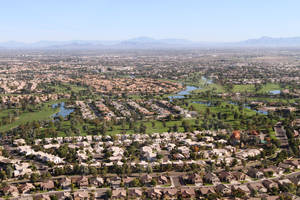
[
  {"x": 197, "y": 80},
  {"x": 224, "y": 108},
  {"x": 229, "y": 109},
  {"x": 167, "y": 185},
  {"x": 243, "y": 88},
  {"x": 211, "y": 87},
  {"x": 66, "y": 88},
  {"x": 117, "y": 129},
  {"x": 194, "y": 79},
  {"x": 272, "y": 134},
  {"x": 272, "y": 100},
  {"x": 269, "y": 87},
  {"x": 44, "y": 113}
]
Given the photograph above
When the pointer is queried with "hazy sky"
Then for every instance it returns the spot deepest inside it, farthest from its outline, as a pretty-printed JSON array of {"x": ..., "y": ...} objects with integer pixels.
[{"x": 198, "y": 20}]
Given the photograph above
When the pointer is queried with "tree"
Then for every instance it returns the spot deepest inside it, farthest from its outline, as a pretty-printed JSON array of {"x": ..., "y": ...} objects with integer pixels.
[
  {"x": 53, "y": 197},
  {"x": 93, "y": 170},
  {"x": 131, "y": 125},
  {"x": 244, "y": 163},
  {"x": 153, "y": 182},
  {"x": 34, "y": 177},
  {"x": 164, "y": 124},
  {"x": 143, "y": 128},
  {"x": 103, "y": 129},
  {"x": 3, "y": 175},
  {"x": 9, "y": 171},
  {"x": 175, "y": 128},
  {"x": 108, "y": 194},
  {"x": 234, "y": 162},
  {"x": 135, "y": 183},
  {"x": 153, "y": 124},
  {"x": 92, "y": 195},
  {"x": 238, "y": 193}
]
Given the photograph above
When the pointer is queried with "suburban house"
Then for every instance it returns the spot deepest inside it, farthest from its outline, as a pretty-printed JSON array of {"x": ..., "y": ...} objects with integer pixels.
[
  {"x": 65, "y": 182},
  {"x": 118, "y": 194},
  {"x": 188, "y": 193},
  {"x": 269, "y": 184},
  {"x": 210, "y": 178},
  {"x": 47, "y": 185},
  {"x": 258, "y": 187},
  {"x": 255, "y": 173},
  {"x": 81, "y": 195},
  {"x": 223, "y": 189},
  {"x": 135, "y": 193},
  {"x": 206, "y": 190},
  {"x": 26, "y": 188}
]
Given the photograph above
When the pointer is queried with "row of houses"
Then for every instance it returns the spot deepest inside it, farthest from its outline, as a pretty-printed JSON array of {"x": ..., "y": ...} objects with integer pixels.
[
  {"x": 29, "y": 98},
  {"x": 85, "y": 110},
  {"x": 260, "y": 188},
  {"x": 178, "y": 147},
  {"x": 45, "y": 157}
]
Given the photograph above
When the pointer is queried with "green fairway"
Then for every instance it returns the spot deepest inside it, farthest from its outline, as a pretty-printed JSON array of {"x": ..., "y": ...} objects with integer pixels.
[
  {"x": 269, "y": 87},
  {"x": 65, "y": 88},
  {"x": 243, "y": 88},
  {"x": 210, "y": 87},
  {"x": 44, "y": 113}
]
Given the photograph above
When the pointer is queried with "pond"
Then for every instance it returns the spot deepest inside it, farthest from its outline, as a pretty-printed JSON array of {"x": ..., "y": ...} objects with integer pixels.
[
  {"x": 275, "y": 92},
  {"x": 63, "y": 111},
  {"x": 188, "y": 89},
  {"x": 207, "y": 103},
  {"x": 208, "y": 81},
  {"x": 249, "y": 107}
]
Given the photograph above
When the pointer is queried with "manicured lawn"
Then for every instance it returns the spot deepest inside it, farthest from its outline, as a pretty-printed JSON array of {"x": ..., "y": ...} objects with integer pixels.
[
  {"x": 228, "y": 109},
  {"x": 269, "y": 87},
  {"x": 210, "y": 87},
  {"x": 270, "y": 99},
  {"x": 197, "y": 80},
  {"x": 243, "y": 88},
  {"x": 272, "y": 134},
  {"x": 66, "y": 88},
  {"x": 117, "y": 129},
  {"x": 45, "y": 113},
  {"x": 194, "y": 79}
]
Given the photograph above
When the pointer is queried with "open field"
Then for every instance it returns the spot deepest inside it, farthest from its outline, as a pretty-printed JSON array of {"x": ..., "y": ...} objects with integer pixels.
[
  {"x": 44, "y": 113},
  {"x": 243, "y": 88},
  {"x": 269, "y": 87}
]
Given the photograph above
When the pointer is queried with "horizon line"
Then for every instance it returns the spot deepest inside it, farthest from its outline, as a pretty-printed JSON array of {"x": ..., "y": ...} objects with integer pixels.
[{"x": 148, "y": 37}]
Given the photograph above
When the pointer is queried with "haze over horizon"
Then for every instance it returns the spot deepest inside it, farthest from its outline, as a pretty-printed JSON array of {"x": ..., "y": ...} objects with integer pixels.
[{"x": 201, "y": 21}]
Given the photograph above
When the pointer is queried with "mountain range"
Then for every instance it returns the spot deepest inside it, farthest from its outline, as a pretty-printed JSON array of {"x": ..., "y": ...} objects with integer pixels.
[{"x": 151, "y": 43}]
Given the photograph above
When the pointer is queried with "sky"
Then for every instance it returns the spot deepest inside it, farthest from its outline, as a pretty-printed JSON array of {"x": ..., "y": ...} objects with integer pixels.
[{"x": 196, "y": 20}]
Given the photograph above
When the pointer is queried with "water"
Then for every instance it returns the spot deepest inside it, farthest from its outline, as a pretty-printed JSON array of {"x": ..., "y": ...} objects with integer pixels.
[
  {"x": 186, "y": 91},
  {"x": 249, "y": 107},
  {"x": 262, "y": 112},
  {"x": 208, "y": 81},
  {"x": 275, "y": 92},
  {"x": 207, "y": 103},
  {"x": 64, "y": 112}
]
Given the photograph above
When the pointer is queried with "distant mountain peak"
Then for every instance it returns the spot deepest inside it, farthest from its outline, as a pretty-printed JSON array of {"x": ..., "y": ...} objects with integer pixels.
[
  {"x": 144, "y": 42},
  {"x": 273, "y": 42}
]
